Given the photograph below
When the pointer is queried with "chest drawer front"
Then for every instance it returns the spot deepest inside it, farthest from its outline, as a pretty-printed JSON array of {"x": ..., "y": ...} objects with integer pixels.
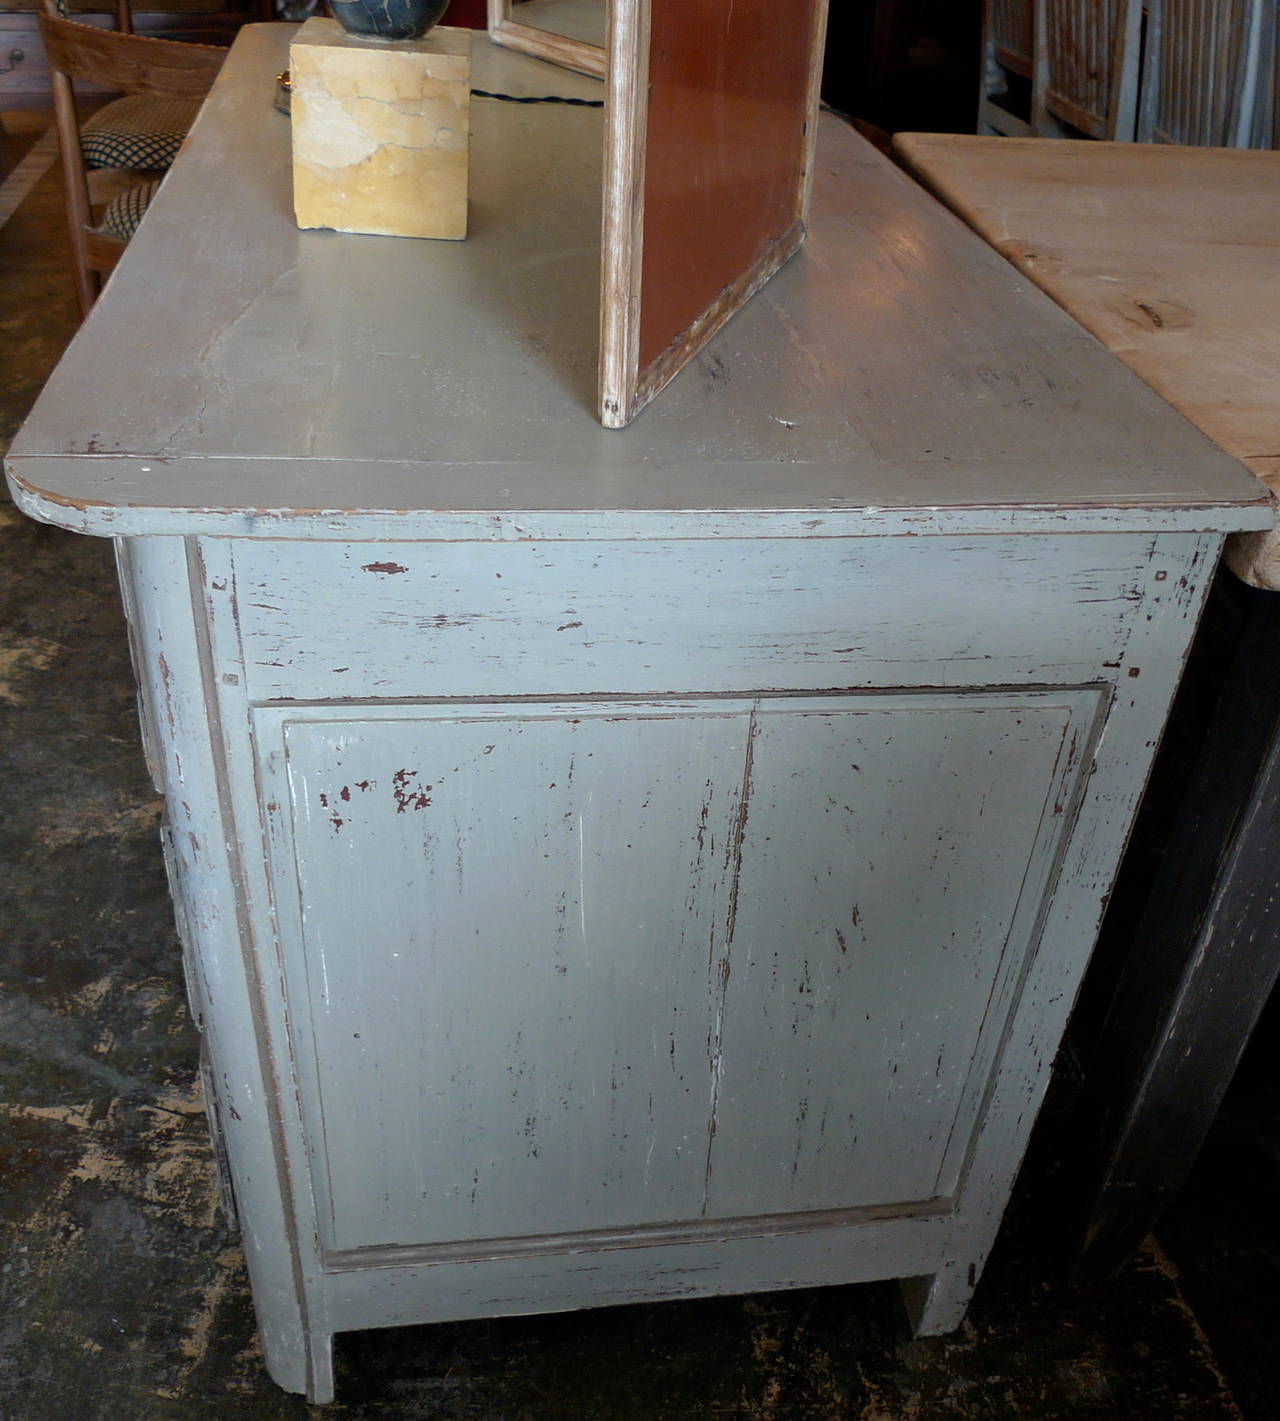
[{"x": 364, "y": 621}]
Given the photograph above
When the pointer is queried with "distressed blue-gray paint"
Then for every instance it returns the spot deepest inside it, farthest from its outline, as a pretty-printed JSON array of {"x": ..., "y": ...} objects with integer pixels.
[{"x": 904, "y": 517}]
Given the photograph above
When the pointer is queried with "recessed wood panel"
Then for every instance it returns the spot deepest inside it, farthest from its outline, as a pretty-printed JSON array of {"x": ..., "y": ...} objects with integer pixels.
[
  {"x": 506, "y": 923},
  {"x": 893, "y": 871}
]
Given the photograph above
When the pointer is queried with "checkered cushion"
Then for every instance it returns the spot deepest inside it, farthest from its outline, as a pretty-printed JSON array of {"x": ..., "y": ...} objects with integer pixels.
[
  {"x": 123, "y": 213},
  {"x": 137, "y": 132}
]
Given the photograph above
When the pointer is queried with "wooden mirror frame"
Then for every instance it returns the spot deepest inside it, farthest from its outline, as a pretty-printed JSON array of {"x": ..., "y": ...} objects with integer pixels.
[
  {"x": 573, "y": 54},
  {"x": 710, "y": 124}
]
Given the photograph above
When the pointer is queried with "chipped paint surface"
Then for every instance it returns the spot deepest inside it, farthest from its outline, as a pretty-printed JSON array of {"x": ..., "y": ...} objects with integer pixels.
[{"x": 122, "y": 1294}]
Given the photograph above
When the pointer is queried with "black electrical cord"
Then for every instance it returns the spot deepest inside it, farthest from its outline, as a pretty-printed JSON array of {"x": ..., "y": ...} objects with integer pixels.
[{"x": 539, "y": 99}]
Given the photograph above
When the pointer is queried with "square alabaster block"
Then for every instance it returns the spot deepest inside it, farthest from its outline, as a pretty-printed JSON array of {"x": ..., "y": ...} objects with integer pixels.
[{"x": 381, "y": 131}]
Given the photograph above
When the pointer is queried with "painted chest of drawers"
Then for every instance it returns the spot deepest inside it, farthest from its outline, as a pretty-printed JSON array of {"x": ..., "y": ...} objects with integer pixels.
[{"x": 616, "y": 866}]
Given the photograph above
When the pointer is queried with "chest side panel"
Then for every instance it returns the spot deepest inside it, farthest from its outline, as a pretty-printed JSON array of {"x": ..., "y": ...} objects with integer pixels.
[
  {"x": 504, "y": 926},
  {"x": 894, "y": 865},
  {"x": 607, "y": 965}
]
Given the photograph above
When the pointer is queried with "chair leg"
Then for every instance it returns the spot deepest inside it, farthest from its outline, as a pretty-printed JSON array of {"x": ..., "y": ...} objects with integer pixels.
[{"x": 75, "y": 192}]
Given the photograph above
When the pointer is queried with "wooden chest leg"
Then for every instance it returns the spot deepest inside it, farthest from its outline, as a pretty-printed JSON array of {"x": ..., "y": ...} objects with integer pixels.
[{"x": 936, "y": 1303}]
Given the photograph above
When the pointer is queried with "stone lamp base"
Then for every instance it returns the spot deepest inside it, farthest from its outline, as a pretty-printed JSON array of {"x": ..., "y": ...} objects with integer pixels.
[{"x": 381, "y": 131}]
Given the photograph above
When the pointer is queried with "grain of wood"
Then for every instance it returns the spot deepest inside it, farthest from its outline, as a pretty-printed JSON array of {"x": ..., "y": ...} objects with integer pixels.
[
  {"x": 564, "y": 32},
  {"x": 622, "y": 210},
  {"x": 1167, "y": 255},
  {"x": 136, "y": 64}
]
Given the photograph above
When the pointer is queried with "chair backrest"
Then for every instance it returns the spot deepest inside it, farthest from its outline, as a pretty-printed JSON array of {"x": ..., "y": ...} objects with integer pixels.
[
  {"x": 1209, "y": 73},
  {"x": 135, "y": 64},
  {"x": 1091, "y": 54},
  {"x": 124, "y": 12}
]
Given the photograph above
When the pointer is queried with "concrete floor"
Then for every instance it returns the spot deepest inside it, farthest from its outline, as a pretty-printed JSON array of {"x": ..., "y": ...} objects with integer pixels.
[{"x": 122, "y": 1289}]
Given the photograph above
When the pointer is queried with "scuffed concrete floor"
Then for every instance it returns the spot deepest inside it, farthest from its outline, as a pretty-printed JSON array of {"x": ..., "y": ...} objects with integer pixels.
[{"x": 123, "y": 1295}]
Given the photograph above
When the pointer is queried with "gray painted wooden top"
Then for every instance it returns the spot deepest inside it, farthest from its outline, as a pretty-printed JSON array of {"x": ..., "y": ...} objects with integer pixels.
[{"x": 240, "y": 376}]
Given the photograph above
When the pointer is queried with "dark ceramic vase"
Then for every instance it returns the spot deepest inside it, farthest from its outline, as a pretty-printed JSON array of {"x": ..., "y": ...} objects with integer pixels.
[{"x": 387, "y": 19}]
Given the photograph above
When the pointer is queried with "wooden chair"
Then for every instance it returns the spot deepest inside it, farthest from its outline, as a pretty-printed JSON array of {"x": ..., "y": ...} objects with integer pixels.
[{"x": 163, "y": 82}]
